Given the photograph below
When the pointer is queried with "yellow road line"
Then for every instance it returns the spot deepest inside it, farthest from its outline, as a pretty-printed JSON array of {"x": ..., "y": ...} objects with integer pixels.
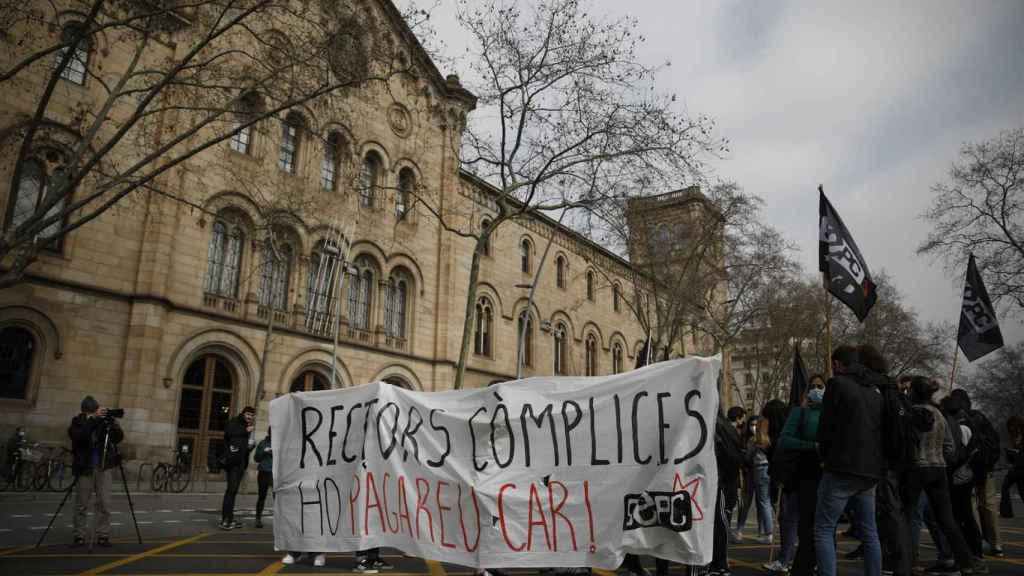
[
  {"x": 16, "y": 550},
  {"x": 435, "y": 568},
  {"x": 273, "y": 568},
  {"x": 601, "y": 572},
  {"x": 146, "y": 554}
]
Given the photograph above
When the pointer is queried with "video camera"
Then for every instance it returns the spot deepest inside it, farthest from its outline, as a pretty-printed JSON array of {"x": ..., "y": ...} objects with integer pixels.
[{"x": 115, "y": 412}]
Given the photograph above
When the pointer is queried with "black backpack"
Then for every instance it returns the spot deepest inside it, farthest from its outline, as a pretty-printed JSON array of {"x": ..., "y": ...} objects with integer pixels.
[
  {"x": 985, "y": 440},
  {"x": 902, "y": 427}
]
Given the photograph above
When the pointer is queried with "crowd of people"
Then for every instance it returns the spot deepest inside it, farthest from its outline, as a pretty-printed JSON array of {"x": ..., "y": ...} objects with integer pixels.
[{"x": 889, "y": 456}]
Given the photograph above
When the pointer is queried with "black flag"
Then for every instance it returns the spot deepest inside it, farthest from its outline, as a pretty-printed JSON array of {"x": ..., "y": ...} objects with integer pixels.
[
  {"x": 979, "y": 330},
  {"x": 798, "y": 385},
  {"x": 839, "y": 258}
]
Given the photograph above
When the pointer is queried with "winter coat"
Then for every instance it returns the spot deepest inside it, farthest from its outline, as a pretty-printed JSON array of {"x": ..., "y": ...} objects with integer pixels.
[
  {"x": 936, "y": 445},
  {"x": 264, "y": 456},
  {"x": 87, "y": 438},
  {"x": 728, "y": 451},
  {"x": 850, "y": 429},
  {"x": 236, "y": 441}
]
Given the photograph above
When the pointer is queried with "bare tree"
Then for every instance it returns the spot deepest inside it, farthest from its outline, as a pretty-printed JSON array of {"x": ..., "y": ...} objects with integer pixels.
[
  {"x": 997, "y": 386},
  {"x": 566, "y": 117},
  {"x": 980, "y": 209},
  {"x": 189, "y": 75}
]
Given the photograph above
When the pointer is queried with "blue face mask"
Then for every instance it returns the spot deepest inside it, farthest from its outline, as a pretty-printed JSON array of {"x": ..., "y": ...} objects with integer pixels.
[{"x": 815, "y": 395}]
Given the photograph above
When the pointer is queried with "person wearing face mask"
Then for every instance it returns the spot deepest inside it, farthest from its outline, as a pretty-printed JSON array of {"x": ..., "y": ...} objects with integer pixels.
[
  {"x": 928, "y": 475},
  {"x": 800, "y": 435}
]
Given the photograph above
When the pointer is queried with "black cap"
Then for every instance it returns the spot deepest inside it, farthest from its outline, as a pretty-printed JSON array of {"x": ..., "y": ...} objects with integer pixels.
[{"x": 90, "y": 405}]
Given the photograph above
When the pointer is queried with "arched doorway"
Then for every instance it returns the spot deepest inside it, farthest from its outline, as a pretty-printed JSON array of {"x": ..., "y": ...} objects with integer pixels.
[
  {"x": 206, "y": 405},
  {"x": 309, "y": 381}
]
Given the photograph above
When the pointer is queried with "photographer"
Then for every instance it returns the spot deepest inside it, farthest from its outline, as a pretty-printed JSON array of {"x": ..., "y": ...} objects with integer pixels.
[
  {"x": 239, "y": 441},
  {"x": 90, "y": 431}
]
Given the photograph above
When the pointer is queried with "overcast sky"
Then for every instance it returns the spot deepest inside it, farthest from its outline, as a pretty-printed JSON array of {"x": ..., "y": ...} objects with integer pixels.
[{"x": 872, "y": 100}]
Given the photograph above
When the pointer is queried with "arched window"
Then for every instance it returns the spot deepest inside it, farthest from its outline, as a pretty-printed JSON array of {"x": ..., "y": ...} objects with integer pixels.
[
  {"x": 560, "y": 272},
  {"x": 248, "y": 104},
  {"x": 329, "y": 164},
  {"x": 398, "y": 381},
  {"x": 524, "y": 256},
  {"x": 616, "y": 358},
  {"x": 485, "y": 244},
  {"x": 484, "y": 325},
  {"x": 291, "y": 133},
  {"x": 369, "y": 180},
  {"x": 224, "y": 259},
  {"x": 360, "y": 295},
  {"x": 406, "y": 189},
  {"x": 310, "y": 381},
  {"x": 321, "y": 288},
  {"x": 78, "y": 63},
  {"x": 591, "y": 355},
  {"x": 524, "y": 330},
  {"x": 34, "y": 176},
  {"x": 560, "y": 333},
  {"x": 275, "y": 274},
  {"x": 590, "y": 285},
  {"x": 396, "y": 305},
  {"x": 616, "y": 305},
  {"x": 17, "y": 349}
]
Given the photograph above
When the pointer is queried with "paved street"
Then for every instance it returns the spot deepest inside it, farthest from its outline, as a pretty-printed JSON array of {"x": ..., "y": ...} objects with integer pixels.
[{"x": 180, "y": 537}]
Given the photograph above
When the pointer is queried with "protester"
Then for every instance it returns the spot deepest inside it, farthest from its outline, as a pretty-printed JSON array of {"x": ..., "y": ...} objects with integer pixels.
[
  {"x": 238, "y": 440},
  {"x": 893, "y": 532},
  {"x": 747, "y": 481},
  {"x": 760, "y": 445},
  {"x": 922, "y": 515},
  {"x": 928, "y": 475},
  {"x": 264, "y": 475},
  {"x": 1015, "y": 477},
  {"x": 850, "y": 443},
  {"x": 984, "y": 465},
  {"x": 15, "y": 443},
  {"x": 961, "y": 471},
  {"x": 728, "y": 457},
  {"x": 91, "y": 432},
  {"x": 776, "y": 412},
  {"x": 800, "y": 435}
]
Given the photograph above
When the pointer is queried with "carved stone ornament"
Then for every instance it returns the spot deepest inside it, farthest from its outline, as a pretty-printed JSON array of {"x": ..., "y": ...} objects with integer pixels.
[{"x": 399, "y": 120}]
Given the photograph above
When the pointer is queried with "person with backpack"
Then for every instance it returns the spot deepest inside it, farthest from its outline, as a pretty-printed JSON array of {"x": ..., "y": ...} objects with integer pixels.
[
  {"x": 799, "y": 436},
  {"x": 1015, "y": 454},
  {"x": 989, "y": 452},
  {"x": 928, "y": 475},
  {"x": 961, "y": 471}
]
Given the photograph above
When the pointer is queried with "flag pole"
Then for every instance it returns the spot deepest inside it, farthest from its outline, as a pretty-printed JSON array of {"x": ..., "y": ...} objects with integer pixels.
[
  {"x": 952, "y": 373},
  {"x": 828, "y": 328}
]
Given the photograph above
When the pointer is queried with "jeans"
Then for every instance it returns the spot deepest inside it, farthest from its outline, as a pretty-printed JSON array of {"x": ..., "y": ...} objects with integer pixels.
[
  {"x": 932, "y": 481},
  {"x": 789, "y": 520},
  {"x": 762, "y": 493},
  {"x": 234, "y": 478},
  {"x": 986, "y": 509},
  {"x": 893, "y": 533},
  {"x": 834, "y": 493},
  {"x": 922, "y": 515},
  {"x": 264, "y": 480},
  {"x": 98, "y": 482}
]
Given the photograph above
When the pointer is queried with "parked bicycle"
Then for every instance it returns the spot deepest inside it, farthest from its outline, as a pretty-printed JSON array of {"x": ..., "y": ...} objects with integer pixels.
[
  {"x": 174, "y": 477},
  {"x": 19, "y": 472},
  {"x": 54, "y": 472}
]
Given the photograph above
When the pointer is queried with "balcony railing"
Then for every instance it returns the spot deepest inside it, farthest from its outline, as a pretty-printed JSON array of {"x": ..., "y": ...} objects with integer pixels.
[{"x": 220, "y": 303}]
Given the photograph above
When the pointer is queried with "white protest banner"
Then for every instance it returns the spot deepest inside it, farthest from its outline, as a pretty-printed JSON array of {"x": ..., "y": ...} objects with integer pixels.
[{"x": 541, "y": 472}]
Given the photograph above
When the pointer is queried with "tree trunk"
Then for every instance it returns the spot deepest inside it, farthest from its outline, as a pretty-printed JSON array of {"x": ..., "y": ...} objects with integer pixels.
[{"x": 467, "y": 325}]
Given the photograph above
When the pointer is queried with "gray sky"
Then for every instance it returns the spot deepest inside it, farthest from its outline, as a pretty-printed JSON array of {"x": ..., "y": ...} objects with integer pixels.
[{"x": 871, "y": 99}]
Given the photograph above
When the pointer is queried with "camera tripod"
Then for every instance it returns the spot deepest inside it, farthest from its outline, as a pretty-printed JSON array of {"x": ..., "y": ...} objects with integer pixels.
[{"x": 71, "y": 488}]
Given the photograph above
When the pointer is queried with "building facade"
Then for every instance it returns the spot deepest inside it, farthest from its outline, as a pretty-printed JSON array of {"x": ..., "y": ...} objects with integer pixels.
[{"x": 189, "y": 300}]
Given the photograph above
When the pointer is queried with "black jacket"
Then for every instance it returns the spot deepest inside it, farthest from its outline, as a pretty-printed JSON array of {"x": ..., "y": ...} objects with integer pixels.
[
  {"x": 728, "y": 451},
  {"x": 850, "y": 430},
  {"x": 236, "y": 441},
  {"x": 87, "y": 436}
]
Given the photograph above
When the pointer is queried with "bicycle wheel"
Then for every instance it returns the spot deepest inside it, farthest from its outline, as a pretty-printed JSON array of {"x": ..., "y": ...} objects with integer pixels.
[
  {"x": 41, "y": 475},
  {"x": 24, "y": 477},
  {"x": 159, "y": 479},
  {"x": 60, "y": 477},
  {"x": 177, "y": 480}
]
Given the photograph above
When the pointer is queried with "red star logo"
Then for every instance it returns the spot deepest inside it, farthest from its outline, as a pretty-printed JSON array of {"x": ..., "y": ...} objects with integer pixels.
[{"x": 691, "y": 487}]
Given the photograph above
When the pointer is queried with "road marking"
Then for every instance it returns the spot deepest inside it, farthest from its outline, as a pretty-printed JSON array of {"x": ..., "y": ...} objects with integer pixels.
[
  {"x": 16, "y": 550},
  {"x": 188, "y": 510},
  {"x": 164, "y": 511},
  {"x": 21, "y": 515},
  {"x": 273, "y": 568},
  {"x": 435, "y": 568},
  {"x": 200, "y": 519},
  {"x": 146, "y": 554},
  {"x": 38, "y": 528},
  {"x": 5, "y": 529},
  {"x": 144, "y": 522},
  {"x": 172, "y": 521}
]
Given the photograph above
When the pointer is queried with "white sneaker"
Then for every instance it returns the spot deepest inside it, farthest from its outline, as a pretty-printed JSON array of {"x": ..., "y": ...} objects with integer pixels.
[
  {"x": 320, "y": 559},
  {"x": 765, "y": 539},
  {"x": 775, "y": 567},
  {"x": 289, "y": 559}
]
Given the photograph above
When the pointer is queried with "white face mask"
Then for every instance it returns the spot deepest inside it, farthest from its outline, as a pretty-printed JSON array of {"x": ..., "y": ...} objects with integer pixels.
[{"x": 815, "y": 395}]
